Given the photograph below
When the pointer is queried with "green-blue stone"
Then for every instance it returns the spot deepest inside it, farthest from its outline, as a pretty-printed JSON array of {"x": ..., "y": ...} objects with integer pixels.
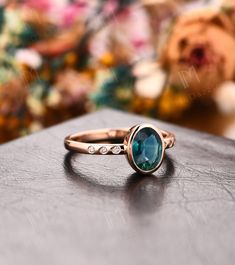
[{"x": 147, "y": 149}]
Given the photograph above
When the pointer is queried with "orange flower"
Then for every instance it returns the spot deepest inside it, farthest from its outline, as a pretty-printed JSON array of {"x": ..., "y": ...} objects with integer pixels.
[
  {"x": 199, "y": 53},
  {"x": 12, "y": 96}
]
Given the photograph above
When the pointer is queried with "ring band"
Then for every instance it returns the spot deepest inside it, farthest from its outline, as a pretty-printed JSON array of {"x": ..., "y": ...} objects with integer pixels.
[{"x": 144, "y": 144}]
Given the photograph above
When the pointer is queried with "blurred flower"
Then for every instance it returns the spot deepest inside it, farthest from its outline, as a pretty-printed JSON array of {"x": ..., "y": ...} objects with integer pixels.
[
  {"x": 150, "y": 79},
  {"x": 73, "y": 87},
  {"x": 129, "y": 42},
  {"x": 73, "y": 12},
  {"x": 3, "y": 2},
  {"x": 63, "y": 13},
  {"x": 40, "y": 5},
  {"x": 225, "y": 97},
  {"x": 59, "y": 44},
  {"x": 172, "y": 104},
  {"x": 12, "y": 97},
  {"x": 35, "y": 106},
  {"x": 159, "y": 12},
  {"x": 228, "y": 7},
  {"x": 28, "y": 57},
  {"x": 197, "y": 61},
  {"x": 13, "y": 89},
  {"x": 13, "y": 26},
  {"x": 230, "y": 130},
  {"x": 123, "y": 38},
  {"x": 110, "y": 7},
  {"x": 16, "y": 31},
  {"x": 114, "y": 88},
  {"x": 35, "y": 100},
  {"x": 42, "y": 23},
  {"x": 54, "y": 62}
]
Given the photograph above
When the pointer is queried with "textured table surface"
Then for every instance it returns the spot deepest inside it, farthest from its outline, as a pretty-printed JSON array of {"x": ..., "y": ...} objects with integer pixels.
[{"x": 61, "y": 209}]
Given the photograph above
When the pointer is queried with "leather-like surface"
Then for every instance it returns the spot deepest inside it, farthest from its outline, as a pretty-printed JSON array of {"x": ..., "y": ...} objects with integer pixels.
[{"x": 58, "y": 208}]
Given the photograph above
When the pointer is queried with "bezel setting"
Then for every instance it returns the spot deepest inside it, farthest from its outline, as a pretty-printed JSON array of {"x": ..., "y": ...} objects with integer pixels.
[{"x": 129, "y": 143}]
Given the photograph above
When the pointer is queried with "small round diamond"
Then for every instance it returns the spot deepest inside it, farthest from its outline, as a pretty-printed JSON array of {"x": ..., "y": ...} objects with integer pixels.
[
  {"x": 103, "y": 150},
  {"x": 91, "y": 149},
  {"x": 116, "y": 150}
]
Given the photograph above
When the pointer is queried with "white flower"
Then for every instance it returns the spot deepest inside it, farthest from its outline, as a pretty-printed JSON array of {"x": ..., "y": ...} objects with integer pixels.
[
  {"x": 225, "y": 97},
  {"x": 229, "y": 132},
  {"x": 29, "y": 57},
  {"x": 149, "y": 85}
]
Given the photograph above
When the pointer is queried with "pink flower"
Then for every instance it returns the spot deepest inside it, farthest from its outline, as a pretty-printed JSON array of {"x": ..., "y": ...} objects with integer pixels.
[
  {"x": 3, "y": 2},
  {"x": 125, "y": 14},
  {"x": 139, "y": 43},
  {"x": 39, "y": 5},
  {"x": 72, "y": 11},
  {"x": 110, "y": 7}
]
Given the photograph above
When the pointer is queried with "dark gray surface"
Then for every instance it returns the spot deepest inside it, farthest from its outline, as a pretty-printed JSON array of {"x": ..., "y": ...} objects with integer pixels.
[{"x": 57, "y": 209}]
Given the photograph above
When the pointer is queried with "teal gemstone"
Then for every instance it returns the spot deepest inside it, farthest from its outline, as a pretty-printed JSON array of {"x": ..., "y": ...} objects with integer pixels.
[{"x": 147, "y": 149}]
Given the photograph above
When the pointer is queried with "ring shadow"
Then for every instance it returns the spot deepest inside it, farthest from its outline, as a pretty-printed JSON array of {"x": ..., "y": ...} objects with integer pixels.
[{"x": 143, "y": 194}]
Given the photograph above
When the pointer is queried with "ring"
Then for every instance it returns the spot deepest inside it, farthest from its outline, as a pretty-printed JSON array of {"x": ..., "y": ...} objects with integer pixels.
[{"x": 144, "y": 145}]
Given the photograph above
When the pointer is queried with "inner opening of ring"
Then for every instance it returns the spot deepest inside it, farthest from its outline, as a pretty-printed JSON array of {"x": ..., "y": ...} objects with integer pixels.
[
  {"x": 107, "y": 141},
  {"x": 104, "y": 136}
]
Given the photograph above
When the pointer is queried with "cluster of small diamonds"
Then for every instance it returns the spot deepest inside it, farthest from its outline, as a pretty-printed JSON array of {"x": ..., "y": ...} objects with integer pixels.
[{"x": 104, "y": 150}]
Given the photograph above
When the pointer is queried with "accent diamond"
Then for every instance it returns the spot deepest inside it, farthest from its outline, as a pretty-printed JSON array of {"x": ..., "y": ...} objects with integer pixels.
[
  {"x": 91, "y": 149},
  {"x": 103, "y": 150},
  {"x": 116, "y": 150}
]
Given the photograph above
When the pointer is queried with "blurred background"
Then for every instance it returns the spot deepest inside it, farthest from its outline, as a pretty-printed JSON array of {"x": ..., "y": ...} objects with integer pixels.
[{"x": 170, "y": 60}]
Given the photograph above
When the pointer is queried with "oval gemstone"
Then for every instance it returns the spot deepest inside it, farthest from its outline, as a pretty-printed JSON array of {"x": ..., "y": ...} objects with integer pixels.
[{"x": 147, "y": 149}]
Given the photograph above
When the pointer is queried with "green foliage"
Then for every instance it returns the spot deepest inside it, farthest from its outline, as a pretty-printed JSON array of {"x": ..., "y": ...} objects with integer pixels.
[
  {"x": 2, "y": 19},
  {"x": 116, "y": 91}
]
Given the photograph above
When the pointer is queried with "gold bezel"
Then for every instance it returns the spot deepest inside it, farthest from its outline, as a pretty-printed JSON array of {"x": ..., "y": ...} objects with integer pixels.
[{"x": 128, "y": 143}]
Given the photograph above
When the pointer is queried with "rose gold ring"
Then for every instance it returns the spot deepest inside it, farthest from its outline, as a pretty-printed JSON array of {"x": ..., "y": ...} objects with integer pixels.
[{"x": 143, "y": 144}]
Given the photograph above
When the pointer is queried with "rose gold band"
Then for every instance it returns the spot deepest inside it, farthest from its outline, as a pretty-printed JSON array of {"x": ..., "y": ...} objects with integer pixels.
[{"x": 104, "y": 141}]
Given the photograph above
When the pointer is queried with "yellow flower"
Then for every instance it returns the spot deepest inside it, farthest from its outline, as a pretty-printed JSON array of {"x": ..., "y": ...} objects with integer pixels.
[
  {"x": 107, "y": 59},
  {"x": 70, "y": 58},
  {"x": 172, "y": 104}
]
